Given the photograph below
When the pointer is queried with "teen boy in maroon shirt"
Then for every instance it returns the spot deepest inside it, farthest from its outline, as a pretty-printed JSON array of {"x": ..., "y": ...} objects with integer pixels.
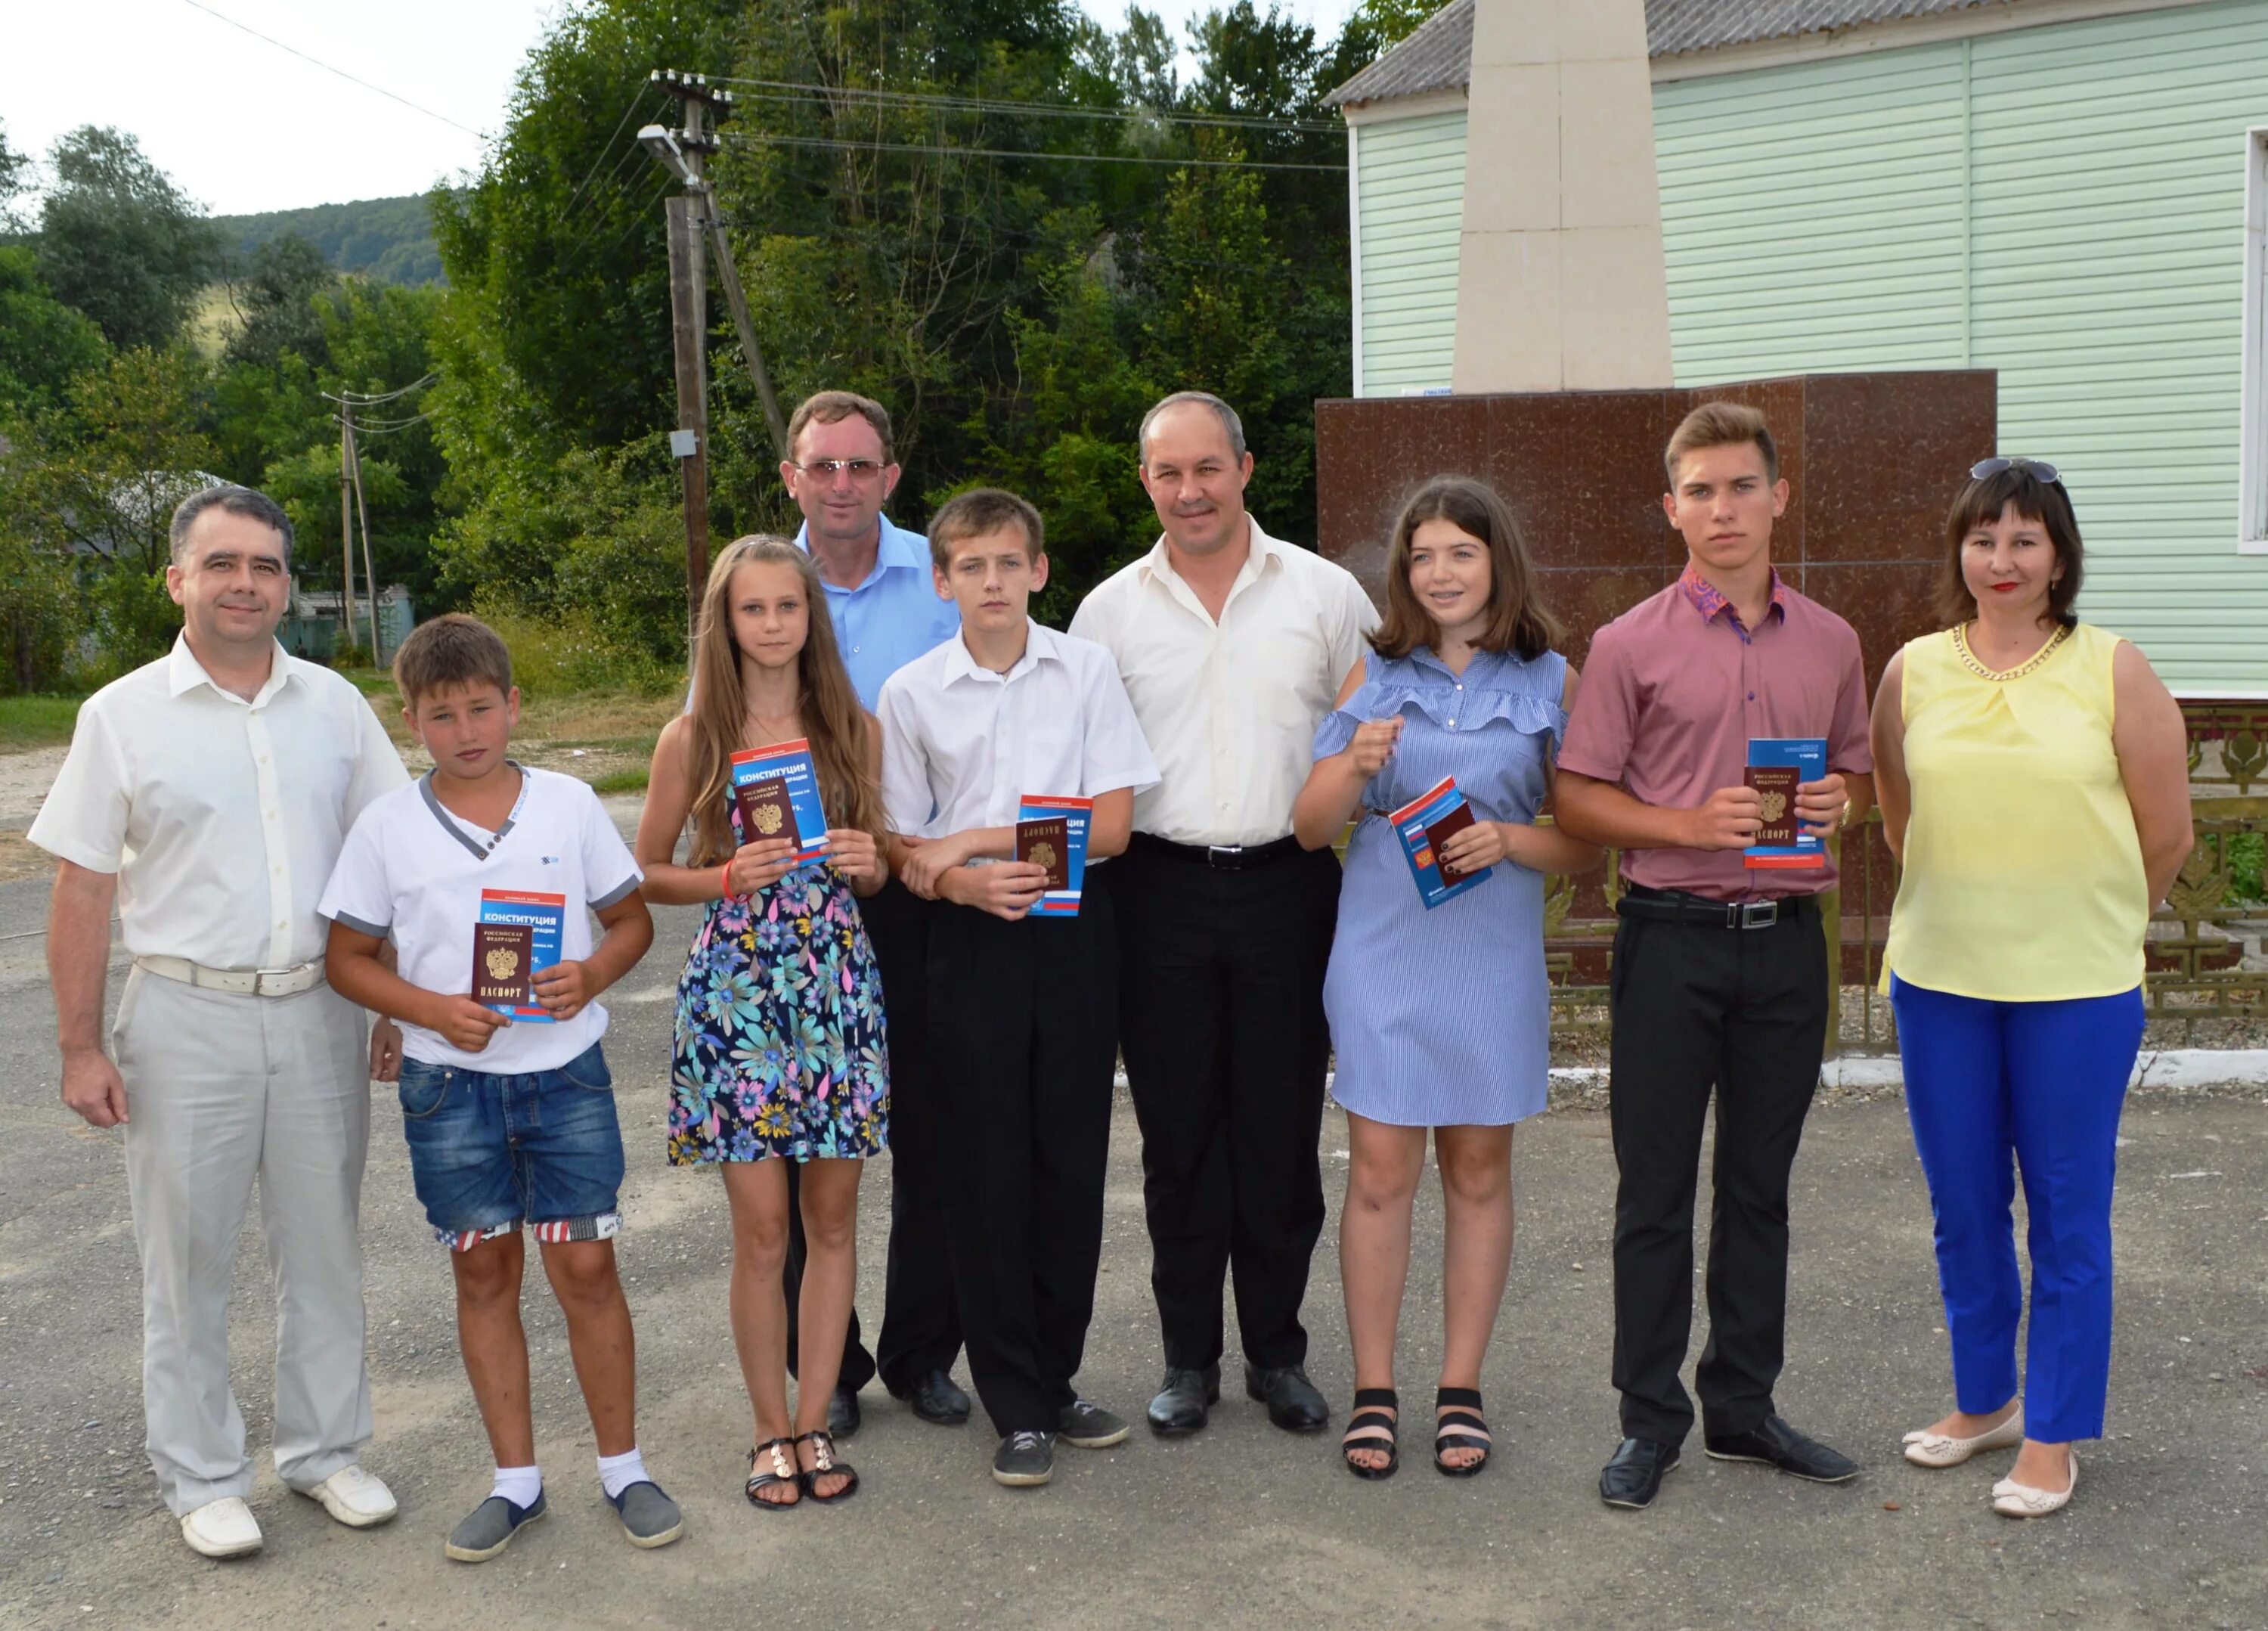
[{"x": 1720, "y": 972}]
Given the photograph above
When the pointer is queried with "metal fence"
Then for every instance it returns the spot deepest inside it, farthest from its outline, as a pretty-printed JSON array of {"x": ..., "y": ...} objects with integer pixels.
[{"x": 2195, "y": 947}]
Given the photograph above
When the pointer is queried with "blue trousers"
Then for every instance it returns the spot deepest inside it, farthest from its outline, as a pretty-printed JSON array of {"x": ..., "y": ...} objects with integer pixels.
[{"x": 2042, "y": 1082}]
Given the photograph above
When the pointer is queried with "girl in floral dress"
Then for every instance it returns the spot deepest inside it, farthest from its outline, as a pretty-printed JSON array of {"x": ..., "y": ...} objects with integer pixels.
[{"x": 779, "y": 1054}]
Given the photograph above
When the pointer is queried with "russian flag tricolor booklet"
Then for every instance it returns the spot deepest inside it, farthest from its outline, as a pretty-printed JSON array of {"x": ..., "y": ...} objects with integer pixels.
[
  {"x": 1051, "y": 832},
  {"x": 1776, "y": 766},
  {"x": 781, "y": 780},
  {"x": 1423, "y": 824},
  {"x": 516, "y": 936}
]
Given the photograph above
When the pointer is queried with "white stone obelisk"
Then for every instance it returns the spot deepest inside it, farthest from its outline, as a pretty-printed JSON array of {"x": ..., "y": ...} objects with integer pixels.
[{"x": 1560, "y": 284}]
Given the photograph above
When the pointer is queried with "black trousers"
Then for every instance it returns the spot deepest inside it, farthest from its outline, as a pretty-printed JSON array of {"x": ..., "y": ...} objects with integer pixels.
[
  {"x": 1226, "y": 1047},
  {"x": 1742, "y": 1012},
  {"x": 921, "y": 1330},
  {"x": 1024, "y": 1033}
]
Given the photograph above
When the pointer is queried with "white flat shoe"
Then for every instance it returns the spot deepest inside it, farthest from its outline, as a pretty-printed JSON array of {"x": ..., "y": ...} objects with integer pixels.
[
  {"x": 2011, "y": 1499},
  {"x": 356, "y": 1498},
  {"x": 1926, "y": 1448},
  {"x": 223, "y": 1528}
]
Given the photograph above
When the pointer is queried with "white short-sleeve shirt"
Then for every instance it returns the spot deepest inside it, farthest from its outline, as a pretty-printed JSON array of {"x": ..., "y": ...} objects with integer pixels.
[
  {"x": 1230, "y": 707},
  {"x": 221, "y": 817},
  {"x": 963, "y": 746},
  {"x": 414, "y": 873}
]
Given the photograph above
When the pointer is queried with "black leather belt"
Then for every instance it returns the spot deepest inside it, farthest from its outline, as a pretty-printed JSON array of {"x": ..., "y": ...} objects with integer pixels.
[
  {"x": 1221, "y": 857},
  {"x": 1677, "y": 906}
]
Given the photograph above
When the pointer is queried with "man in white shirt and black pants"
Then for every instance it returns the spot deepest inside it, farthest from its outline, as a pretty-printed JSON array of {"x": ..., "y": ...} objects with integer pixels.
[
  {"x": 208, "y": 793},
  {"x": 1232, "y": 645}
]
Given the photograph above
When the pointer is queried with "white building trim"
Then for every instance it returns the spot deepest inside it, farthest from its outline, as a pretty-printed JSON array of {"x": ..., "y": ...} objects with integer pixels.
[
  {"x": 1912, "y": 31},
  {"x": 2252, "y": 506}
]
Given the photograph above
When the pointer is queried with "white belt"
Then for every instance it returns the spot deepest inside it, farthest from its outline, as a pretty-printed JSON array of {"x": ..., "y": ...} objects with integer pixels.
[{"x": 238, "y": 982}]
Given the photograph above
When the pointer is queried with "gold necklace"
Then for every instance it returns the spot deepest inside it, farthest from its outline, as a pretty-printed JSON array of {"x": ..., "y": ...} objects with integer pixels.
[{"x": 1975, "y": 664}]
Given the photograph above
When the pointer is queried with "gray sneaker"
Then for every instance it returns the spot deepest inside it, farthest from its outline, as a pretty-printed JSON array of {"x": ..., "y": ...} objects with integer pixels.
[
  {"x": 1090, "y": 1427},
  {"x": 1024, "y": 1459},
  {"x": 650, "y": 1518},
  {"x": 488, "y": 1529}
]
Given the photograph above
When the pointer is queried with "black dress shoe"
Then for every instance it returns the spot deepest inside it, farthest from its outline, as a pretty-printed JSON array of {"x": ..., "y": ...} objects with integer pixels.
[
  {"x": 1633, "y": 1478},
  {"x": 1294, "y": 1403},
  {"x": 935, "y": 1398},
  {"x": 843, "y": 1415},
  {"x": 1183, "y": 1399},
  {"x": 1776, "y": 1444}
]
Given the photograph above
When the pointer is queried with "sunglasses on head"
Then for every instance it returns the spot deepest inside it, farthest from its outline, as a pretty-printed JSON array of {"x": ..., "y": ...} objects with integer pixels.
[{"x": 2039, "y": 467}]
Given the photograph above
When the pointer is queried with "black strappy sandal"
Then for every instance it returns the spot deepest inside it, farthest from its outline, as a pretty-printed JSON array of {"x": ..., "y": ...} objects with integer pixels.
[
  {"x": 822, "y": 1451},
  {"x": 783, "y": 1458},
  {"x": 1371, "y": 1404},
  {"x": 1455, "y": 1408}
]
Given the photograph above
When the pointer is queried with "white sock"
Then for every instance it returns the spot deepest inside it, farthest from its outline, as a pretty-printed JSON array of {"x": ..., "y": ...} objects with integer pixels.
[
  {"x": 520, "y": 1486},
  {"x": 619, "y": 1472}
]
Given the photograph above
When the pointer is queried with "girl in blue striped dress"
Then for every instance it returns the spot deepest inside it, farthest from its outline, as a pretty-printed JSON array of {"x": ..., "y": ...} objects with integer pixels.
[{"x": 1440, "y": 1018}]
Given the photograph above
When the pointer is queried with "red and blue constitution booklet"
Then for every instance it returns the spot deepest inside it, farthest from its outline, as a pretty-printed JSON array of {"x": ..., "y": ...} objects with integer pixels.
[
  {"x": 1423, "y": 824},
  {"x": 1776, "y": 766},
  {"x": 1051, "y": 832},
  {"x": 777, "y": 788},
  {"x": 516, "y": 936}
]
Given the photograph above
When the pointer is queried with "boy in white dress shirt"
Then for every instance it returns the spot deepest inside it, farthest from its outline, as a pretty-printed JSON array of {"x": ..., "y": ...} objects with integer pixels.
[
  {"x": 474, "y": 874},
  {"x": 1023, "y": 1008}
]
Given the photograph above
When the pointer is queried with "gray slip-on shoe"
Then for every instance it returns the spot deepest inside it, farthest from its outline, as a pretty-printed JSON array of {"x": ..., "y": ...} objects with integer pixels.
[
  {"x": 488, "y": 1529},
  {"x": 649, "y": 1517}
]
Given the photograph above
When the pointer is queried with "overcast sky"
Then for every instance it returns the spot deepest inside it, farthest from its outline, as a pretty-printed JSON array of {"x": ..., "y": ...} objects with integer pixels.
[{"x": 243, "y": 125}]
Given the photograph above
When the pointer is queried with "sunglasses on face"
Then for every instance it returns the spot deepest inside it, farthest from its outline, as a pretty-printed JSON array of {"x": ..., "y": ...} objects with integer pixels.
[{"x": 2038, "y": 468}]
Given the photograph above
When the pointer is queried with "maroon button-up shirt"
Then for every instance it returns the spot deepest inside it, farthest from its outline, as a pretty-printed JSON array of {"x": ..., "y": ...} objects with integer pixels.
[{"x": 1674, "y": 689}]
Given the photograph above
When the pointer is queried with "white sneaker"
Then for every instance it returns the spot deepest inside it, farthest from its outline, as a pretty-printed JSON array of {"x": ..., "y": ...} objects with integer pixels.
[
  {"x": 223, "y": 1528},
  {"x": 358, "y": 1498}
]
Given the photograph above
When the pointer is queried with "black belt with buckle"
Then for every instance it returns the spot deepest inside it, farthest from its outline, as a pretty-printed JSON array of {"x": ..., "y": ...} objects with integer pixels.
[
  {"x": 1221, "y": 857},
  {"x": 1677, "y": 906}
]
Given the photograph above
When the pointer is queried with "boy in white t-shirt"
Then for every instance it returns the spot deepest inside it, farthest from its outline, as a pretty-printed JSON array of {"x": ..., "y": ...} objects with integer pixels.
[{"x": 476, "y": 874}]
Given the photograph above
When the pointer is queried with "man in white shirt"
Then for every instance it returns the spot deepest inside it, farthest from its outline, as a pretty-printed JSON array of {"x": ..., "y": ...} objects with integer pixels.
[
  {"x": 1234, "y": 645},
  {"x": 208, "y": 793}
]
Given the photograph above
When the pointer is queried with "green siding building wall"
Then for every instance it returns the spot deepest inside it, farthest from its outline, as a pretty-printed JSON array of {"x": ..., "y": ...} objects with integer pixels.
[
  {"x": 1410, "y": 184},
  {"x": 2063, "y": 203}
]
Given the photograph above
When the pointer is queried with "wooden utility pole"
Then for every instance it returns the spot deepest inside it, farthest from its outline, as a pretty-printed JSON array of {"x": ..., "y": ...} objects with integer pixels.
[
  {"x": 369, "y": 573},
  {"x": 346, "y": 523},
  {"x": 689, "y": 305}
]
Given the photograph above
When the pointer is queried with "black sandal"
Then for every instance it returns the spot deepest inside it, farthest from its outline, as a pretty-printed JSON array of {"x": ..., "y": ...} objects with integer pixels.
[
  {"x": 822, "y": 1451},
  {"x": 1458, "y": 1407},
  {"x": 1371, "y": 1404},
  {"x": 783, "y": 1473}
]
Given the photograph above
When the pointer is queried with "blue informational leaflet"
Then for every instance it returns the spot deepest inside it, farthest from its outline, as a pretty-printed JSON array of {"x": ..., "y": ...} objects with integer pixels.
[
  {"x": 515, "y": 937},
  {"x": 1777, "y": 758},
  {"x": 789, "y": 762},
  {"x": 1037, "y": 816},
  {"x": 1422, "y": 825}
]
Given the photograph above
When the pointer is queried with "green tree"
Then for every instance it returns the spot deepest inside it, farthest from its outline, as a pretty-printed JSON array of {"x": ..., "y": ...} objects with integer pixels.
[
  {"x": 274, "y": 302},
  {"x": 120, "y": 241},
  {"x": 43, "y": 342}
]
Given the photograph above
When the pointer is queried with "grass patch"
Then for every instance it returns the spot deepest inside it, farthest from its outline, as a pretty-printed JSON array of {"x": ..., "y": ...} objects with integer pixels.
[
  {"x": 631, "y": 780},
  {"x": 36, "y": 722}
]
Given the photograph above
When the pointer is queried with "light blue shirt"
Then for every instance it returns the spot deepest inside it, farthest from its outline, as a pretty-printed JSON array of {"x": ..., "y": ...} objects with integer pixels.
[{"x": 891, "y": 618}]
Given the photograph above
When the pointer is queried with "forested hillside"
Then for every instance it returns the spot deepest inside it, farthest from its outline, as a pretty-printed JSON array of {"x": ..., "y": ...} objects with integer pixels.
[{"x": 389, "y": 240}]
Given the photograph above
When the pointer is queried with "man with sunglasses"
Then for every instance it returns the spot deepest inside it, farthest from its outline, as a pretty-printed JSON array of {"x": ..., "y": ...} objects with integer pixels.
[{"x": 841, "y": 472}]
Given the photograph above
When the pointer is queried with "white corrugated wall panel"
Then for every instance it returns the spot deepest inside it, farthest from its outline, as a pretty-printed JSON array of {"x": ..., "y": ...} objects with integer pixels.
[{"x": 1411, "y": 184}]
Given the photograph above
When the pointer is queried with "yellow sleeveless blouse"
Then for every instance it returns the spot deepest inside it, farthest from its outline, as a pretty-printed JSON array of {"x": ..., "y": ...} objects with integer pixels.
[{"x": 2023, "y": 874}]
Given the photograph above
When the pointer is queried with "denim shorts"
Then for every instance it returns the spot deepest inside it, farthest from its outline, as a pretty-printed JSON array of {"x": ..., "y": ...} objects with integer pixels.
[{"x": 487, "y": 1152}]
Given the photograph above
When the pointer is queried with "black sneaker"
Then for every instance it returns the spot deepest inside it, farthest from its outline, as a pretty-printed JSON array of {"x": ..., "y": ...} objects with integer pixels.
[
  {"x": 1025, "y": 1459},
  {"x": 1090, "y": 1426}
]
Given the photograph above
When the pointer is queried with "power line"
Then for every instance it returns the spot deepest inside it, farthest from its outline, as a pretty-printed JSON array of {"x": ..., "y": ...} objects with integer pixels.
[
  {"x": 362, "y": 399},
  {"x": 800, "y": 91},
  {"x": 1005, "y": 152},
  {"x": 637, "y": 95},
  {"x": 341, "y": 72}
]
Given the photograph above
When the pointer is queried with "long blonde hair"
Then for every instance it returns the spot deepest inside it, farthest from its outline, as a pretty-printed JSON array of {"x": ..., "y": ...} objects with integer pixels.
[{"x": 832, "y": 721}]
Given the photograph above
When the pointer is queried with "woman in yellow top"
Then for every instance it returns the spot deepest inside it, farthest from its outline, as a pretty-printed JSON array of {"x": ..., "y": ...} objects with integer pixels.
[{"x": 2033, "y": 774}]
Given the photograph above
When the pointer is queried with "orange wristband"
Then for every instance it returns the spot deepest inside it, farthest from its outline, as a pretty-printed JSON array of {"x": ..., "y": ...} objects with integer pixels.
[{"x": 725, "y": 882}]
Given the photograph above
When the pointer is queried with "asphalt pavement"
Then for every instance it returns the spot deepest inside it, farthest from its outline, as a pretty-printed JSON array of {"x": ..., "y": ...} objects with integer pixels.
[{"x": 1241, "y": 1525}]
